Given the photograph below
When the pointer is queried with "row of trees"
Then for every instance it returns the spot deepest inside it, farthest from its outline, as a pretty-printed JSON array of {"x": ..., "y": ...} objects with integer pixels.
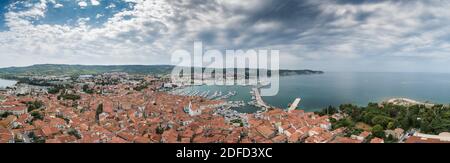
[
  {"x": 72, "y": 97},
  {"x": 34, "y": 105},
  {"x": 88, "y": 90},
  {"x": 98, "y": 112},
  {"x": 5, "y": 114},
  {"x": 141, "y": 87},
  {"x": 55, "y": 89}
]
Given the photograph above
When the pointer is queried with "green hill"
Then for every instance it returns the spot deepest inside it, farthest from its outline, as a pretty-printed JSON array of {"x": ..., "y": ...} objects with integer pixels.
[
  {"x": 54, "y": 69},
  {"x": 51, "y": 69}
]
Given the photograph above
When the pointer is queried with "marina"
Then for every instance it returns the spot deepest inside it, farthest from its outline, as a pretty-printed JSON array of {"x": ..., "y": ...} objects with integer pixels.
[
  {"x": 242, "y": 99},
  {"x": 236, "y": 98},
  {"x": 217, "y": 95},
  {"x": 233, "y": 109}
]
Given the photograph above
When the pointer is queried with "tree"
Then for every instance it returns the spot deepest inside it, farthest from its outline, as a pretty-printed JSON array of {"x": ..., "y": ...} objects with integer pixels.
[
  {"x": 391, "y": 125},
  {"x": 344, "y": 123},
  {"x": 85, "y": 87},
  {"x": 390, "y": 139},
  {"x": 56, "y": 89},
  {"x": 330, "y": 110},
  {"x": 36, "y": 139},
  {"x": 37, "y": 115},
  {"x": 390, "y": 116},
  {"x": 53, "y": 90},
  {"x": 381, "y": 120},
  {"x": 354, "y": 132},
  {"x": 239, "y": 121},
  {"x": 378, "y": 131},
  {"x": 6, "y": 114},
  {"x": 34, "y": 105},
  {"x": 98, "y": 112},
  {"x": 87, "y": 90},
  {"x": 74, "y": 132},
  {"x": 69, "y": 97},
  {"x": 141, "y": 87},
  {"x": 160, "y": 130}
]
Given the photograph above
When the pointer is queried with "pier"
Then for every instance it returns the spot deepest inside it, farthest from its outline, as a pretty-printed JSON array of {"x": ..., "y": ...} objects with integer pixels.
[
  {"x": 217, "y": 95},
  {"x": 295, "y": 104},
  {"x": 258, "y": 98}
]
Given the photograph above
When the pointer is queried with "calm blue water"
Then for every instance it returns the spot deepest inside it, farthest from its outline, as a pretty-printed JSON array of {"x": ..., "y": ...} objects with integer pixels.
[
  {"x": 6, "y": 83},
  {"x": 320, "y": 91}
]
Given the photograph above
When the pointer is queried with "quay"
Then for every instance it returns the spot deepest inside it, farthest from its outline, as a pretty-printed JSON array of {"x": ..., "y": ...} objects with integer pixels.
[
  {"x": 295, "y": 104},
  {"x": 258, "y": 98}
]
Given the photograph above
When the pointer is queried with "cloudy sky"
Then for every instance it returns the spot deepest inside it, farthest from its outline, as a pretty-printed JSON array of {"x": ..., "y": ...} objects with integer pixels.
[{"x": 330, "y": 35}]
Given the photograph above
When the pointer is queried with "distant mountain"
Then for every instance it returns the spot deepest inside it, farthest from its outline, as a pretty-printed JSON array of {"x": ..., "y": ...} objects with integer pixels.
[{"x": 56, "y": 69}]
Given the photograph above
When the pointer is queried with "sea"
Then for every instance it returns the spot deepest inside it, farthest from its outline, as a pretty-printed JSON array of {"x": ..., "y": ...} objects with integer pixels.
[
  {"x": 7, "y": 83},
  {"x": 319, "y": 91}
]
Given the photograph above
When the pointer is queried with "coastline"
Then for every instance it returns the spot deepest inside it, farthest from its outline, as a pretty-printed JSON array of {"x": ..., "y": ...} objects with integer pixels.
[{"x": 407, "y": 102}]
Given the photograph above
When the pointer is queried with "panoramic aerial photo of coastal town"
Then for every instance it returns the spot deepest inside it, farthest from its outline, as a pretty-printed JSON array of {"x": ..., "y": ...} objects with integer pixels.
[{"x": 224, "y": 71}]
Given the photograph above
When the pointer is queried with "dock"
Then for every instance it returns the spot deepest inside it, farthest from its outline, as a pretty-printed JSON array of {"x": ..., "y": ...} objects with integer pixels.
[
  {"x": 258, "y": 98},
  {"x": 294, "y": 104}
]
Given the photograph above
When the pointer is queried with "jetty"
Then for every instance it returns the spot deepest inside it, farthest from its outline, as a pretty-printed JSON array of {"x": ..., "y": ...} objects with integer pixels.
[
  {"x": 258, "y": 98},
  {"x": 294, "y": 104}
]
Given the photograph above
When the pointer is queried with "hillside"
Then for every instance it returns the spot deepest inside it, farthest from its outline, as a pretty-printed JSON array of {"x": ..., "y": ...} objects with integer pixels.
[{"x": 53, "y": 69}]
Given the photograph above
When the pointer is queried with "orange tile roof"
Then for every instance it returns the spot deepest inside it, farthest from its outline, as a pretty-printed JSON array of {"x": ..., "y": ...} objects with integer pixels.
[
  {"x": 141, "y": 139},
  {"x": 377, "y": 140},
  {"x": 346, "y": 140},
  {"x": 49, "y": 131},
  {"x": 365, "y": 134},
  {"x": 279, "y": 139},
  {"x": 52, "y": 141},
  {"x": 416, "y": 139},
  {"x": 265, "y": 131}
]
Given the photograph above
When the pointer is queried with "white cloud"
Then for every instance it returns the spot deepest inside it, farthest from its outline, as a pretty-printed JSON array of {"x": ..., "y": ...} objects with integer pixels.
[
  {"x": 95, "y": 2},
  {"x": 82, "y": 4},
  {"x": 118, "y": 41},
  {"x": 99, "y": 16},
  {"x": 267, "y": 26},
  {"x": 112, "y": 5},
  {"x": 388, "y": 28},
  {"x": 244, "y": 5},
  {"x": 152, "y": 29},
  {"x": 58, "y": 5}
]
